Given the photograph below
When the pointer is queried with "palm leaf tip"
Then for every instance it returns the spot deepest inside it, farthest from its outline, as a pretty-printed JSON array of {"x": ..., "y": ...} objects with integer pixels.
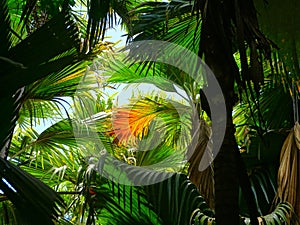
[{"x": 35, "y": 202}]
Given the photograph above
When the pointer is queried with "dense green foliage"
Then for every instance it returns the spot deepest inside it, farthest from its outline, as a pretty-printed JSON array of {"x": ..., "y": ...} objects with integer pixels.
[{"x": 50, "y": 52}]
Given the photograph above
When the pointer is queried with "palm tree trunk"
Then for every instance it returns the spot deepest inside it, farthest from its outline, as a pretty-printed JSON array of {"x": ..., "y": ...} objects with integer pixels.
[
  {"x": 226, "y": 182},
  {"x": 225, "y": 163},
  {"x": 226, "y": 23},
  {"x": 216, "y": 47}
]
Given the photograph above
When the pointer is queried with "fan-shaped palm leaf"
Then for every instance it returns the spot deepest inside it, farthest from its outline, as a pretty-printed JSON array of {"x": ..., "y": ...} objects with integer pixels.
[{"x": 132, "y": 122}]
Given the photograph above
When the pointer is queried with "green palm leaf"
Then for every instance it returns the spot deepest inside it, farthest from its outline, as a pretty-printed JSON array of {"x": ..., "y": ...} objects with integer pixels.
[
  {"x": 5, "y": 35},
  {"x": 171, "y": 201},
  {"x": 103, "y": 15},
  {"x": 169, "y": 21},
  {"x": 175, "y": 200}
]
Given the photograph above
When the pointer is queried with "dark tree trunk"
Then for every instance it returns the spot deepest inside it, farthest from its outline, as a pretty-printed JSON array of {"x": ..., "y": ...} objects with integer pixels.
[
  {"x": 226, "y": 26},
  {"x": 226, "y": 182},
  {"x": 216, "y": 47}
]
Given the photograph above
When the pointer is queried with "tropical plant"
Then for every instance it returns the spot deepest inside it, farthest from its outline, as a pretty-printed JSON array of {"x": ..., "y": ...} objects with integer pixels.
[
  {"x": 40, "y": 62},
  {"x": 225, "y": 33},
  {"x": 233, "y": 29}
]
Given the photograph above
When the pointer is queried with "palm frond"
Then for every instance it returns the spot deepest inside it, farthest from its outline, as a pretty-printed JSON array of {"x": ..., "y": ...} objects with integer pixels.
[
  {"x": 57, "y": 140},
  {"x": 128, "y": 205},
  {"x": 203, "y": 180},
  {"x": 62, "y": 83},
  {"x": 272, "y": 99},
  {"x": 283, "y": 214},
  {"x": 171, "y": 201},
  {"x": 132, "y": 122},
  {"x": 36, "y": 12},
  {"x": 169, "y": 21},
  {"x": 263, "y": 185},
  {"x": 140, "y": 66},
  {"x": 8, "y": 214},
  {"x": 103, "y": 15},
  {"x": 250, "y": 119},
  {"x": 36, "y": 112},
  {"x": 158, "y": 156},
  {"x": 13, "y": 104},
  {"x": 60, "y": 33},
  {"x": 29, "y": 195},
  {"x": 288, "y": 183},
  {"x": 5, "y": 35}
]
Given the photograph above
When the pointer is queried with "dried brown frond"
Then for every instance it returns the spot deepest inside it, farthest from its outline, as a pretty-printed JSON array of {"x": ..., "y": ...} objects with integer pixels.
[
  {"x": 289, "y": 170},
  {"x": 204, "y": 180}
]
